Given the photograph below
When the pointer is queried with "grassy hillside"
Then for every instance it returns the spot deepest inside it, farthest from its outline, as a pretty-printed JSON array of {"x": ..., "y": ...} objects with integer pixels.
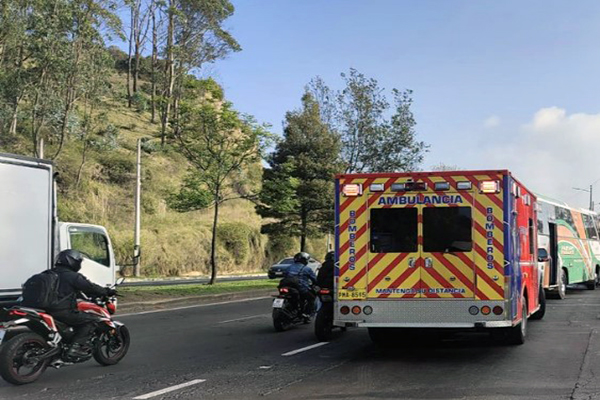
[{"x": 172, "y": 243}]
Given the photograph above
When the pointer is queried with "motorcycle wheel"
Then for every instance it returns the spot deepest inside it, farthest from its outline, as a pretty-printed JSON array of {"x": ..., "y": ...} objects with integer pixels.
[
  {"x": 280, "y": 320},
  {"x": 15, "y": 366},
  {"x": 324, "y": 324},
  {"x": 110, "y": 349}
]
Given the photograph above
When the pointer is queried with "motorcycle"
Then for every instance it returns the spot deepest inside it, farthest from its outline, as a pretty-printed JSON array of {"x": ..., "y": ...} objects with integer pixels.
[
  {"x": 288, "y": 308},
  {"x": 324, "y": 318},
  {"x": 32, "y": 340}
]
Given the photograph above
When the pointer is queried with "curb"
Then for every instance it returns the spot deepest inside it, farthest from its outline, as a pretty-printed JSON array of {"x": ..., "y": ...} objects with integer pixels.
[{"x": 178, "y": 301}]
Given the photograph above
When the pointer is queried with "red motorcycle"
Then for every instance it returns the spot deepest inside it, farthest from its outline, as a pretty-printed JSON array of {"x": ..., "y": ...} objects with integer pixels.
[{"x": 32, "y": 340}]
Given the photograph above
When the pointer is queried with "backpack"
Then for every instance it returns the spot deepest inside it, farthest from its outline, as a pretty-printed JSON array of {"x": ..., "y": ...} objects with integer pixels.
[{"x": 41, "y": 290}]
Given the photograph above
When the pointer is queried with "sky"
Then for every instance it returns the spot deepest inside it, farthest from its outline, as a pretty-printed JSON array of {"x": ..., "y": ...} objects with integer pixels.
[{"x": 497, "y": 84}]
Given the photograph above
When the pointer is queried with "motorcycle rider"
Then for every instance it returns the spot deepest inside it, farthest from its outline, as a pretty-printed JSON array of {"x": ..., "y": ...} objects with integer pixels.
[
  {"x": 71, "y": 282},
  {"x": 306, "y": 279},
  {"x": 325, "y": 276}
]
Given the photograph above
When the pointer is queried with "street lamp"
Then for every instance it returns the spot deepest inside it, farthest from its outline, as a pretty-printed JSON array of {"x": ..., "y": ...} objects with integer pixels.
[{"x": 591, "y": 195}]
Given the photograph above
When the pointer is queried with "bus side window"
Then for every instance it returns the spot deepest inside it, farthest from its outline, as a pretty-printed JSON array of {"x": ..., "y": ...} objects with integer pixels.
[{"x": 589, "y": 225}]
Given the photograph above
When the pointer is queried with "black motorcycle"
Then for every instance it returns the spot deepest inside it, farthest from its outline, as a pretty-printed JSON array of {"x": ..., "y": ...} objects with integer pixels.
[
  {"x": 288, "y": 307},
  {"x": 324, "y": 319}
]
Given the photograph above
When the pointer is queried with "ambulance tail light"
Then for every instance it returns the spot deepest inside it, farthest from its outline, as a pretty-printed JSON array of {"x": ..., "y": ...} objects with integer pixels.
[
  {"x": 486, "y": 310},
  {"x": 368, "y": 310},
  {"x": 498, "y": 310},
  {"x": 345, "y": 310},
  {"x": 352, "y": 190},
  {"x": 473, "y": 310},
  {"x": 356, "y": 310},
  {"x": 489, "y": 187}
]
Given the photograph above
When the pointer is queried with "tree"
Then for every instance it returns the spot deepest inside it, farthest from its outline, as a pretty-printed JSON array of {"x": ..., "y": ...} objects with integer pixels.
[
  {"x": 221, "y": 146},
  {"x": 195, "y": 36},
  {"x": 371, "y": 141},
  {"x": 298, "y": 189}
]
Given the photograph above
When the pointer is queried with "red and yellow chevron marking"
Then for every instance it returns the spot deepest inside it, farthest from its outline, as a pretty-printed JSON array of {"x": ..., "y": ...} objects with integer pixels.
[{"x": 379, "y": 275}]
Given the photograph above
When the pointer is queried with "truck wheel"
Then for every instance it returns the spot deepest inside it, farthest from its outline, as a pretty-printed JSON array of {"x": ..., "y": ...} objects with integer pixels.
[
  {"x": 15, "y": 365},
  {"x": 539, "y": 314},
  {"x": 562, "y": 284},
  {"x": 516, "y": 335},
  {"x": 324, "y": 324}
]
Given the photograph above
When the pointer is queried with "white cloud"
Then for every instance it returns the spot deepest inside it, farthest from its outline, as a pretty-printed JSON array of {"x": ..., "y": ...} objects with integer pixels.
[
  {"x": 491, "y": 122},
  {"x": 552, "y": 153}
]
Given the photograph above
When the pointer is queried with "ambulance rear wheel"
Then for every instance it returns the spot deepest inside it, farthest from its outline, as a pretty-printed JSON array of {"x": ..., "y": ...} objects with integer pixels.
[
  {"x": 516, "y": 334},
  {"x": 539, "y": 314}
]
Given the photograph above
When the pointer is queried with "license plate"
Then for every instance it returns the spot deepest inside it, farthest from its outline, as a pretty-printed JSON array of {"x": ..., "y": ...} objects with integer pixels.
[
  {"x": 2, "y": 333},
  {"x": 278, "y": 303}
]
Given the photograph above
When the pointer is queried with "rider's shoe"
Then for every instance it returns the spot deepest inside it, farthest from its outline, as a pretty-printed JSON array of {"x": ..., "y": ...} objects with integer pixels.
[{"x": 78, "y": 351}]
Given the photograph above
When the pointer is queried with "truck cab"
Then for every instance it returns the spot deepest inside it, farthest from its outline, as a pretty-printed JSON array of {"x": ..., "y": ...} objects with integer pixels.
[{"x": 94, "y": 243}]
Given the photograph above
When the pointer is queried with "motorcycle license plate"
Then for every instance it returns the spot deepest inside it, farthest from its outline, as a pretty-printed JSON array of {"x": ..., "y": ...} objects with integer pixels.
[{"x": 278, "y": 303}]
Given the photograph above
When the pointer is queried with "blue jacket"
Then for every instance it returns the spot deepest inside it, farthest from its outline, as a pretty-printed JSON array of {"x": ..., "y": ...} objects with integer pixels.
[{"x": 304, "y": 273}]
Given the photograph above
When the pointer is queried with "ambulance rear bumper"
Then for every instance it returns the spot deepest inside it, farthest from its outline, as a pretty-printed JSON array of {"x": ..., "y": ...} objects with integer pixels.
[
  {"x": 415, "y": 313},
  {"x": 435, "y": 325}
]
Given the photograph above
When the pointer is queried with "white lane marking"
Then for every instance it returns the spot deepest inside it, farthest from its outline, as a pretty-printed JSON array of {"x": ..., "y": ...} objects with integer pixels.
[
  {"x": 244, "y": 318},
  {"x": 193, "y": 306},
  {"x": 169, "y": 389},
  {"x": 313, "y": 346}
]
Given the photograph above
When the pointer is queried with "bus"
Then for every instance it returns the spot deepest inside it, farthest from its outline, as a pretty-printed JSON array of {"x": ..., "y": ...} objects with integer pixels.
[{"x": 568, "y": 246}]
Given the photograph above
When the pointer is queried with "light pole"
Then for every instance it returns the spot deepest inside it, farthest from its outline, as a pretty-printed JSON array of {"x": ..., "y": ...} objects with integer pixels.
[{"x": 591, "y": 192}]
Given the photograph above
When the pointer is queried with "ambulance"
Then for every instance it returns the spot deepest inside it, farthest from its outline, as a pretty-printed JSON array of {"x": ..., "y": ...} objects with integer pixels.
[{"x": 436, "y": 250}]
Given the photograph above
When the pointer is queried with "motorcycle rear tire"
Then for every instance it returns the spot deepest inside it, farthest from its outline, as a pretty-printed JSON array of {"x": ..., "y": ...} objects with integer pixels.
[
  {"x": 8, "y": 353},
  {"x": 107, "y": 359},
  {"x": 324, "y": 324},
  {"x": 280, "y": 320}
]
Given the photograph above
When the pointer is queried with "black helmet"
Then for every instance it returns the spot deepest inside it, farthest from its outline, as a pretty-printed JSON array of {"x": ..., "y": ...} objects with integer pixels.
[
  {"x": 69, "y": 258},
  {"x": 330, "y": 256},
  {"x": 302, "y": 258}
]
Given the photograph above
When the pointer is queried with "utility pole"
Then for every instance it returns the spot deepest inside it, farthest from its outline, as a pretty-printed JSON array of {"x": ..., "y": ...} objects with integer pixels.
[
  {"x": 138, "y": 192},
  {"x": 591, "y": 192},
  {"x": 41, "y": 149}
]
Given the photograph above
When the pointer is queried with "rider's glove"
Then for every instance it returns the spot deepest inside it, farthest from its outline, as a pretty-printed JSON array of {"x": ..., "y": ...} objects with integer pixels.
[{"x": 111, "y": 292}]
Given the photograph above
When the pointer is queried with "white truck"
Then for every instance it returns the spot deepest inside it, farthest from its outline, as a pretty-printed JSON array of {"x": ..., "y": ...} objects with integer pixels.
[{"x": 30, "y": 234}]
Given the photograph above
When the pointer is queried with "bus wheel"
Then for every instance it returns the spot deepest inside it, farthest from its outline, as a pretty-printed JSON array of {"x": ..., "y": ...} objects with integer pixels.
[
  {"x": 591, "y": 285},
  {"x": 562, "y": 284},
  {"x": 517, "y": 334},
  {"x": 539, "y": 314}
]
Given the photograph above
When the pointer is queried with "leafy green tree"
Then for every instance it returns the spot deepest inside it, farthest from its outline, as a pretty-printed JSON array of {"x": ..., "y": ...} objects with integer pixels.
[
  {"x": 298, "y": 187},
  {"x": 195, "y": 36},
  {"x": 371, "y": 141},
  {"x": 221, "y": 146}
]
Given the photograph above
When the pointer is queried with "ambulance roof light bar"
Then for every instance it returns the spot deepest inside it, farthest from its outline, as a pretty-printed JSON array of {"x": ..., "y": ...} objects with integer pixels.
[
  {"x": 406, "y": 186},
  {"x": 489, "y": 187},
  {"x": 352, "y": 190},
  {"x": 465, "y": 185},
  {"x": 442, "y": 186}
]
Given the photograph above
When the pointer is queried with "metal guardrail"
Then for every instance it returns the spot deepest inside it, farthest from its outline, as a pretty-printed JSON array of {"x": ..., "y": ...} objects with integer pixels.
[{"x": 168, "y": 282}]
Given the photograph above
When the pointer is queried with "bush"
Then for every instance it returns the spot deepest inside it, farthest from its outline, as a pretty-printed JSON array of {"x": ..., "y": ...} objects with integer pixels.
[
  {"x": 241, "y": 241},
  {"x": 140, "y": 102},
  {"x": 117, "y": 168}
]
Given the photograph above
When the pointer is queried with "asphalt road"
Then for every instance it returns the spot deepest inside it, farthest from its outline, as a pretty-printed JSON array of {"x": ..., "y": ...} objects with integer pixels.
[{"x": 230, "y": 351}]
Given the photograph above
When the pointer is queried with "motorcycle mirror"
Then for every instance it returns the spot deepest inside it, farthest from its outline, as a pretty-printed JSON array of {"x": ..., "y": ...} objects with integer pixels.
[{"x": 120, "y": 281}]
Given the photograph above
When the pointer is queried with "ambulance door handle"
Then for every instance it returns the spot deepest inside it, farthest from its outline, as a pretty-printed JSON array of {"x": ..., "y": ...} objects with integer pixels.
[
  {"x": 411, "y": 262},
  {"x": 428, "y": 262}
]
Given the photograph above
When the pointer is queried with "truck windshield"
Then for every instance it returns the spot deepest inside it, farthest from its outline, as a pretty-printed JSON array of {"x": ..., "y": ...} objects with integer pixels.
[
  {"x": 394, "y": 230},
  {"x": 447, "y": 229}
]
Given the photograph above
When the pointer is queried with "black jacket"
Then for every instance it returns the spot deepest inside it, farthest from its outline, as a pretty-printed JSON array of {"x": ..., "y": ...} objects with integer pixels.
[
  {"x": 70, "y": 284},
  {"x": 325, "y": 276}
]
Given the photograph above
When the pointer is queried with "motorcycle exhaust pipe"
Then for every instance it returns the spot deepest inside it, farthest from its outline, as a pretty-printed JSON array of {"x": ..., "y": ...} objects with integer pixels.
[{"x": 49, "y": 354}]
